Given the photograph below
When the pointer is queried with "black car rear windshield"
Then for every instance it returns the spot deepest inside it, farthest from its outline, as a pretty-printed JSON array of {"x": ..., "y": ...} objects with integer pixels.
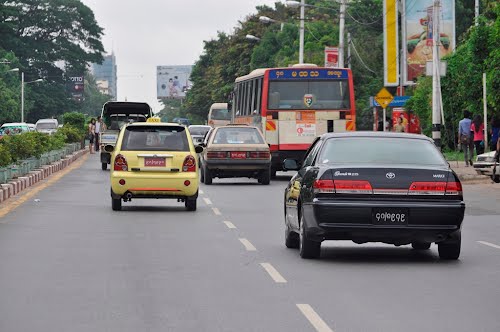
[
  {"x": 155, "y": 138},
  {"x": 238, "y": 135},
  {"x": 380, "y": 150}
]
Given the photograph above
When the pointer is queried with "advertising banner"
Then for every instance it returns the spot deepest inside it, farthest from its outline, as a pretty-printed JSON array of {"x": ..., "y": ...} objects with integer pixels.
[
  {"x": 391, "y": 49},
  {"x": 331, "y": 57},
  {"x": 417, "y": 32},
  {"x": 173, "y": 81},
  {"x": 76, "y": 86}
]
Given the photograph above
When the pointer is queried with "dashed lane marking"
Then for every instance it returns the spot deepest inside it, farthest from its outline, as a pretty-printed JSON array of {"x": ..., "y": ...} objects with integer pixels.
[
  {"x": 207, "y": 201},
  {"x": 216, "y": 211},
  {"x": 23, "y": 197},
  {"x": 489, "y": 244},
  {"x": 247, "y": 244},
  {"x": 314, "y": 318},
  {"x": 273, "y": 273},
  {"x": 229, "y": 224}
]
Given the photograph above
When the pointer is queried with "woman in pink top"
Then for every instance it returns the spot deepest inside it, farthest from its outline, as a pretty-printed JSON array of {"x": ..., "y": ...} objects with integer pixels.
[{"x": 477, "y": 128}]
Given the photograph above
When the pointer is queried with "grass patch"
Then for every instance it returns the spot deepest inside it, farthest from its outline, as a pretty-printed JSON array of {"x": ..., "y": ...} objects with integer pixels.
[{"x": 453, "y": 155}]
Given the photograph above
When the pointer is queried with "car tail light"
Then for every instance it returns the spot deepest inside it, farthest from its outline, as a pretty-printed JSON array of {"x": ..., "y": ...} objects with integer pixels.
[
  {"x": 324, "y": 187},
  {"x": 189, "y": 164},
  {"x": 453, "y": 188},
  {"x": 353, "y": 187},
  {"x": 120, "y": 163},
  {"x": 427, "y": 188},
  {"x": 216, "y": 155},
  {"x": 259, "y": 155}
]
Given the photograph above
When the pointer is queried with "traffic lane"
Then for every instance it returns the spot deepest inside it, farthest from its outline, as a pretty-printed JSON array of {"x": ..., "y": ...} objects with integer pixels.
[
  {"x": 379, "y": 281},
  {"x": 70, "y": 263},
  {"x": 482, "y": 199}
]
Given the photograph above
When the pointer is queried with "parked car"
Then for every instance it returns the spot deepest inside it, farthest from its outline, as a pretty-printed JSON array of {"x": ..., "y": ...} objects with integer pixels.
[
  {"x": 47, "y": 126},
  {"x": 14, "y": 128},
  {"x": 236, "y": 151},
  {"x": 154, "y": 160},
  {"x": 357, "y": 186},
  {"x": 484, "y": 165},
  {"x": 115, "y": 115}
]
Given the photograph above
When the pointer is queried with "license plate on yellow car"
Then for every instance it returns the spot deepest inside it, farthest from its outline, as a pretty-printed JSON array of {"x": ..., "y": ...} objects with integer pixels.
[{"x": 154, "y": 162}]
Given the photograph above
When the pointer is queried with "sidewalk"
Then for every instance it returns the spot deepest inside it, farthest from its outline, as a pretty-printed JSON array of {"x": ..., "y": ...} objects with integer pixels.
[{"x": 466, "y": 173}]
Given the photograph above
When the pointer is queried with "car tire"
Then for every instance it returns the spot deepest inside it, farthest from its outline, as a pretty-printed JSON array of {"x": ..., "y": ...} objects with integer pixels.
[
  {"x": 202, "y": 175},
  {"x": 420, "y": 245},
  {"x": 104, "y": 166},
  {"x": 190, "y": 204},
  {"x": 495, "y": 178},
  {"x": 450, "y": 248},
  {"x": 273, "y": 173},
  {"x": 116, "y": 204},
  {"x": 292, "y": 239},
  {"x": 208, "y": 176},
  {"x": 307, "y": 248},
  {"x": 265, "y": 177}
]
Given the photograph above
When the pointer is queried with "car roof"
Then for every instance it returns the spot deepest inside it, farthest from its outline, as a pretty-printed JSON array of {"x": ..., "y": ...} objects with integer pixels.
[
  {"x": 375, "y": 134},
  {"x": 236, "y": 126},
  {"x": 14, "y": 124}
]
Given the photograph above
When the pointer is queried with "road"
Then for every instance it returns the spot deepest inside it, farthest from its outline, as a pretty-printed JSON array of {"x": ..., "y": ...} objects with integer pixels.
[{"x": 69, "y": 263}]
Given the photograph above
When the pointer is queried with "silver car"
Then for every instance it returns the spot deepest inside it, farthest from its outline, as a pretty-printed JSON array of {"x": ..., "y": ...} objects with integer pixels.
[{"x": 485, "y": 165}]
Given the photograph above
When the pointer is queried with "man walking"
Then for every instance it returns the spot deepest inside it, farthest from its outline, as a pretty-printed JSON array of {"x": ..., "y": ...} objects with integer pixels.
[
  {"x": 99, "y": 126},
  {"x": 466, "y": 138}
]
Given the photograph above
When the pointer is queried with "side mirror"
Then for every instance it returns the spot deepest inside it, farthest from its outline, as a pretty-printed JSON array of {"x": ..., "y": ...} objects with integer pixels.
[
  {"x": 109, "y": 148},
  {"x": 198, "y": 149},
  {"x": 290, "y": 165}
]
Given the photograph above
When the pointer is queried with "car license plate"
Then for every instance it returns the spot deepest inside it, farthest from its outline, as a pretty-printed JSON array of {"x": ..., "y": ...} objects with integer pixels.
[
  {"x": 238, "y": 155},
  {"x": 154, "y": 162},
  {"x": 390, "y": 216}
]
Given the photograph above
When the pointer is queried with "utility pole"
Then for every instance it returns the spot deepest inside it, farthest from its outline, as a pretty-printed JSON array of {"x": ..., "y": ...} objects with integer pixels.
[
  {"x": 22, "y": 96},
  {"x": 341, "y": 33},
  {"x": 476, "y": 10},
  {"x": 349, "y": 41},
  {"x": 436, "y": 86},
  {"x": 301, "y": 35}
]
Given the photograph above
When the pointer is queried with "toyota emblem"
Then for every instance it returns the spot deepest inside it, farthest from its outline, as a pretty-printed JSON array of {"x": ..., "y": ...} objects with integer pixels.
[{"x": 390, "y": 175}]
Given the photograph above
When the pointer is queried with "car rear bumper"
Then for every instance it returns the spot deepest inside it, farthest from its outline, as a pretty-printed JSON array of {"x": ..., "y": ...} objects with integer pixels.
[
  {"x": 236, "y": 164},
  {"x": 352, "y": 220},
  {"x": 151, "y": 185}
]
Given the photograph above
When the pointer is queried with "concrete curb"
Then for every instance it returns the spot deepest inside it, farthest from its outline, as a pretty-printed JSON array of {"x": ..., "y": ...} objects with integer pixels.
[{"x": 15, "y": 186}]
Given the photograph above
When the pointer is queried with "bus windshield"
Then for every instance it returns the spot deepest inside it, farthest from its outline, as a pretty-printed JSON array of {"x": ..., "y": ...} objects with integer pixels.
[
  {"x": 309, "y": 94},
  {"x": 220, "y": 114}
]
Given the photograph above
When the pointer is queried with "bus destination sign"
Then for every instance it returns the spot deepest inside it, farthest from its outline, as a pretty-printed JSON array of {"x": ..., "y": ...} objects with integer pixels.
[{"x": 307, "y": 74}]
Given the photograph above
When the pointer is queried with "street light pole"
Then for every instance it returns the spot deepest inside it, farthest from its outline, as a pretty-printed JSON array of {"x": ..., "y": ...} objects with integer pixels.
[
  {"x": 436, "y": 86},
  {"x": 301, "y": 36},
  {"x": 341, "y": 33},
  {"x": 22, "y": 97}
]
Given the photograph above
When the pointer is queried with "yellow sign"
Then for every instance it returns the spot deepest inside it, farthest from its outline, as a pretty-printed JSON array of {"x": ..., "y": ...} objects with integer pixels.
[
  {"x": 384, "y": 98},
  {"x": 154, "y": 119},
  {"x": 391, "y": 50}
]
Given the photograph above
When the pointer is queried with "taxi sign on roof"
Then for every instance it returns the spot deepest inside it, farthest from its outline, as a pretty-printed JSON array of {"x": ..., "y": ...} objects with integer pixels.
[
  {"x": 153, "y": 119},
  {"x": 384, "y": 98}
]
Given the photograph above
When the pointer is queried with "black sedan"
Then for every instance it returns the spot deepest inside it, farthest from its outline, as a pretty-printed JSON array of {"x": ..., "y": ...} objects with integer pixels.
[{"x": 373, "y": 187}]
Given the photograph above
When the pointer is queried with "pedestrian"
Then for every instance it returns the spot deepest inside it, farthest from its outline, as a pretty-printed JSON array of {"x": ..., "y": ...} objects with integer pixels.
[
  {"x": 399, "y": 127},
  {"x": 465, "y": 137},
  {"x": 494, "y": 131},
  {"x": 99, "y": 127},
  {"x": 91, "y": 135},
  {"x": 477, "y": 128}
]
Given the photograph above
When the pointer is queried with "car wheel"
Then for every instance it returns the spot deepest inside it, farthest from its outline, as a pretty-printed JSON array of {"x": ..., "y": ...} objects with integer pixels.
[
  {"x": 116, "y": 204},
  {"x": 191, "y": 204},
  {"x": 104, "y": 166},
  {"x": 273, "y": 173},
  {"x": 450, "y": 248},
  {"x": 291, "y": 238},
  {"x": 202, "y": 175},
  {"x": 265, "y": 177},
  {"x": 420, "y": 245},
  {"x": 496, "y": 178},
  {"x": 208, "y": 176},
  {"x": 307, "y": 247}
]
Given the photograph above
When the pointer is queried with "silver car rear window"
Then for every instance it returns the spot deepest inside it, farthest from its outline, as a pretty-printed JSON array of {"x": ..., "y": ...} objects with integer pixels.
[
  {"x": 237, "y": 135},
  {"x": 380, "y": 150}
]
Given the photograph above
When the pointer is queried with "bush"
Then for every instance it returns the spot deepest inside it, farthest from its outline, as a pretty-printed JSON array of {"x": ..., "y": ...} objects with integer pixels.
[
  {"x": 42, "y": 142},
  {"x": 5, "y": 158},
  {"x": 72, "y": 134},
  {"x": 74, "y": 119},
  {"x": 20, "y": 146}
]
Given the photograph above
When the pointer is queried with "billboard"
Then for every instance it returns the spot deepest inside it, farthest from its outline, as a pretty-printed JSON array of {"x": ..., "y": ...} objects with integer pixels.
[
  {"x": 417, "y": 32},
  {"x": 173, "y": 81},
  {"x": 331, "y": 57},
  {"x": 76, "y": 86},
  {"x": 391, "y": 50}
]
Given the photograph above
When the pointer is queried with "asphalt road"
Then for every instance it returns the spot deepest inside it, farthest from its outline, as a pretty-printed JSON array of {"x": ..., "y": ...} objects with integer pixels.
[{"x": 69, "y": 263}]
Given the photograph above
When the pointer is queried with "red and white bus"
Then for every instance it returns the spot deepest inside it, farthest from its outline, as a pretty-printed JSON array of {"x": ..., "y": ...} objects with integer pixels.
[{"x": 294, "y": 105}]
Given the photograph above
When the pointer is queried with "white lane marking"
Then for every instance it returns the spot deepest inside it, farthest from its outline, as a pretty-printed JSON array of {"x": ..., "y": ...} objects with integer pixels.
[
  {"x": 200, "y": 192},
  {"x": 229, "y": 224},
  {"x": 247, "y": 244},
  {"x": 207, "y": 201},
  {"x": 489, "y": 244},
  {"x": 216, "y": 211},
  {"x": 314, "y": 318},
  {"x": 277, "y": 277}
]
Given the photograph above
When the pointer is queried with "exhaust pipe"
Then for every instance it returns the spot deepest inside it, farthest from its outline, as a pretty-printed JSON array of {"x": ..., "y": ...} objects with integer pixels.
[{"x": 129, "y": 196}]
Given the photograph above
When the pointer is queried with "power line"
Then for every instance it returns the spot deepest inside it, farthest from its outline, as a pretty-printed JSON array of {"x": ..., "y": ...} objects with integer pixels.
[{"x": 360, "y": 59}]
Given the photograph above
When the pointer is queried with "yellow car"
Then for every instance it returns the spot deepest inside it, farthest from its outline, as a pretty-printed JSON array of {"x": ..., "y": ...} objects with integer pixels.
[{"x": 154, "y": 160}]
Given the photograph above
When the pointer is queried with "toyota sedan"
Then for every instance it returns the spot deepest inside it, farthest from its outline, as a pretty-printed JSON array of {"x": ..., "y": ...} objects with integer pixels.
[{"x": 373, "y": 187}]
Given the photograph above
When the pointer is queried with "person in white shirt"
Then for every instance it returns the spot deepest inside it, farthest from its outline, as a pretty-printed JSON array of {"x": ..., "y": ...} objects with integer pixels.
[{"x": 99, "y": 126}]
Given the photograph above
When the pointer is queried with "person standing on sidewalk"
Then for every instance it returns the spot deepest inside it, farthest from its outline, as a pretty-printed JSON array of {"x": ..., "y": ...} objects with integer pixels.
[
  {"x": 495, "y": 132},
  {"x": 99, "y": 126},
  {"x": 465, "y": 137},
  {"x": 91, "y": 135},
  {"x": 477, "y": 128}
]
